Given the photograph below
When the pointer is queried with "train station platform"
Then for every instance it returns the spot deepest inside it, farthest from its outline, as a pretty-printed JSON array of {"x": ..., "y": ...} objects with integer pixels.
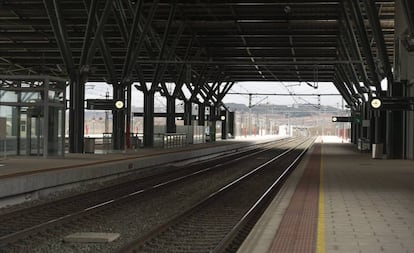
[
  {"x": 26, "y": 178},
  {"x": 340, "y": 200}
]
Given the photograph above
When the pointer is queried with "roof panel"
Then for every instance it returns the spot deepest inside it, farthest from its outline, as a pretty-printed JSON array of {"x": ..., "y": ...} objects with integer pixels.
[{"x": 241, "y": 37}]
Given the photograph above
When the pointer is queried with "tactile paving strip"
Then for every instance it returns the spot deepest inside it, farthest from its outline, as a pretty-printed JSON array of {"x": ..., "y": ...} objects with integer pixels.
[{"x": 298, "y": 229}]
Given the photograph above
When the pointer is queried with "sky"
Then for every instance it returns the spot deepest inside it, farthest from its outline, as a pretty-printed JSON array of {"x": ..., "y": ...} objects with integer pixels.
[
  {"x": 283, "y": 88},
  {"x": 99, "y": 90}
]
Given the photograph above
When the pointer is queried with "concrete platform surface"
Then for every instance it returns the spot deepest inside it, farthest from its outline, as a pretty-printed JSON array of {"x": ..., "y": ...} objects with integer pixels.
[
  {"x": 29, "y": 178},
  {"x": 365, "y": 205},
  {"x": 20, "y": 165}
]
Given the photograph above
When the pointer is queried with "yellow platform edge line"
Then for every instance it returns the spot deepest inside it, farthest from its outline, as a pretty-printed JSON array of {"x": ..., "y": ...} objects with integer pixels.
[{"x": 320, "y": 245}]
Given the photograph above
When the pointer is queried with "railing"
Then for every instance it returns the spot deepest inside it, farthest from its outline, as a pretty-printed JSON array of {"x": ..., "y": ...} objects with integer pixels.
[
  {"x": 103, "y": 143},
  {"x": 170, "y": 140}
]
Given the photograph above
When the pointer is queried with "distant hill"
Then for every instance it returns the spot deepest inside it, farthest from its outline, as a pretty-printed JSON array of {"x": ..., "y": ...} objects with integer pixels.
[{"x": 299, "y": 110}]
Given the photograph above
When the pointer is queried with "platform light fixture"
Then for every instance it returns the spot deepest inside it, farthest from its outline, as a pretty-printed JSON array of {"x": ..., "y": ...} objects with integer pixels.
[
  {"x": 376, "y": 103},
  {"x": 119, "y": 104}
]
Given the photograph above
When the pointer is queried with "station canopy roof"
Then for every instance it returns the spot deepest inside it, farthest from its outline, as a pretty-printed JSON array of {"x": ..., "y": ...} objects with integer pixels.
[{"x": 237, "y": 40}]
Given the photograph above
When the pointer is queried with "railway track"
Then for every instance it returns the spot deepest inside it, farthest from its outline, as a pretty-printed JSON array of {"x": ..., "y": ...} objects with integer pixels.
[
  {"x": 221, "y": 221},
  {"x": 20, "y": 226}
]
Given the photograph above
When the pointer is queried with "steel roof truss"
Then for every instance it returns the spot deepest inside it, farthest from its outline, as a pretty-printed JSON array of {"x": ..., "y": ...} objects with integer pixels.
[
  {"x": 372, "y": 13},
  {"x": 225, "y": 90},
  {"x": 98, "y": 33},
  {"x": 178, "y": 80},
  {"x": 199, "y": 82},
  {"x": 349, "y": 35},
  {"x": 170, "y": 52},
  {"x": 56, "y": 21},
  {"x": 349, "y": 68},
  {"x": 342, "y": 76},
  {"x": 91, "y": 7},
  {"x": 107, "y": 58},
  {"x": 104, "y": 48},
  {"x": 166, "y": 67},
  {"x": 355, "y": 9},
  {"x": 344, "y": 94},
  {"x": 132, "y": 34},
  {"x": 346, "y": 87},
  {"x": 121, "y": 20},
  {"x": 127, "y": 70}
]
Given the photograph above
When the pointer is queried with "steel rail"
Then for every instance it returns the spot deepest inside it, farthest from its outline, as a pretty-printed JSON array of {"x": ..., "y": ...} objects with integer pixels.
[
  {"x": 132, "y": 246},
  {"x": 258, "y": 207},
  {"x": 17, "y": 235}
]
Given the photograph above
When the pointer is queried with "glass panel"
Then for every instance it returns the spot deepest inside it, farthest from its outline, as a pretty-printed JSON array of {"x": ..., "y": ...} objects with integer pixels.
[
  {"x": 8, "y": 145},
  {"x": 61, "y": 139},
  {"x": 35, "y": 138},
  {"x": 53, "y": 131},
  {"x": 23, "y": 131},
  {"x": 26, "y": 126},
  {"x": 9, "y": 96},
  {"x": 31, "y": 97}
]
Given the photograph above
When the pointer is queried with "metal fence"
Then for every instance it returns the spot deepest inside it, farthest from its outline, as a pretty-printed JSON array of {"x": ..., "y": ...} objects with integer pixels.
[{"x": 170, "y": 140}]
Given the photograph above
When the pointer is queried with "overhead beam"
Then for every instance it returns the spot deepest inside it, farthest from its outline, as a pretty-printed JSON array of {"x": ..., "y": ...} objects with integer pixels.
[
  {"x": 315, "y": 62},
  {"x": 127, "y": 70},
  {"x": 104, "y": 48},
  {"x": 132, "y": 34},
  {"x": 372, "y": 13},
  {"x": 362, "y": 31},
  {"x": 91, "y": 6},
  {"x": 225, "y": 91},
  {"x": 408, "y": 5},
  {"x": 200, "y": 81},
  {"x": 98, "y": 32},
  {"x": 349, "y": 35},
  {"x": 157, "y": 72},
  {"x": 349, "y": 70},
  {"x": 179, "y": 80},
  {"x": 344, "y": 93},
  {"x": 56, "y": 21}
]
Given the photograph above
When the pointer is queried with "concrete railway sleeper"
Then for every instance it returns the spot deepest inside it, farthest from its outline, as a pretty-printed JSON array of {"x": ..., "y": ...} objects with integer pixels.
[{"x": 55, "y": 217}]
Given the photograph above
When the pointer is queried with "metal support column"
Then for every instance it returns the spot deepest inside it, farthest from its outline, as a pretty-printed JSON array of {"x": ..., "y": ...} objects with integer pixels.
[
  {"x": 212, "y": 123},
  {"x": 128, "y": 116},
  {"x": 76, "y": 113},
  {"x": 366, "y": 127},
  {"x": 188, "y": 107},
  {"x": 171, "y": 127},
  {"x": 357, "y": 114},
  {"x": 353, "y": 130},
  {"x": 47, "y": 119},
  {"x": 231, "y": 124},
  {"x": 403, "y": 71},
  {"x": 149, "y": 119},
  {"x": 224, "y": 124},
  {"x": 118, "y": 119},
  {"x": 201, "y": 114},
  {"x": 395, "y": 127}
]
